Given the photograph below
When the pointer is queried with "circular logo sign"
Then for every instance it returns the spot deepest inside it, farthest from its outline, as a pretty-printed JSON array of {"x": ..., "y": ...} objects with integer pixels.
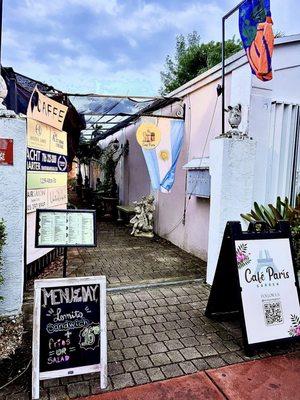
[
  {"x": 148, "y": 136},
  {"x": 62, "y": 163}
]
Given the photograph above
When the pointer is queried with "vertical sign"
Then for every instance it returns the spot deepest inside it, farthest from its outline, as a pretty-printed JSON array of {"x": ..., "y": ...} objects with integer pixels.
[
  {"x": 46, "y": 162},
  {"x": 69, "y": 329}
]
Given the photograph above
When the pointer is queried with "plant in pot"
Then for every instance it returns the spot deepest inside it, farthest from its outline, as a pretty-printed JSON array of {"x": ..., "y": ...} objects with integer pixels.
[{"x": 282, "y": 210}]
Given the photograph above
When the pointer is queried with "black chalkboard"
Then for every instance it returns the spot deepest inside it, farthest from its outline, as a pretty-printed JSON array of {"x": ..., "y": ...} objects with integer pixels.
[{"x": 69, "y": 327}]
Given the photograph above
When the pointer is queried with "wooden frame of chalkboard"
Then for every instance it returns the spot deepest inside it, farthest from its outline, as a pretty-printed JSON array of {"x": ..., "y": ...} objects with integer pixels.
[
  {"x": 89, "y": 295},
  {"x": 63, "y": 244},
  {"x": 226, "y": 295}
]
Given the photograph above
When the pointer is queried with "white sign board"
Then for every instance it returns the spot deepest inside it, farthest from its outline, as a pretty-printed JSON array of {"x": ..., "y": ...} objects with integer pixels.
[
  {"x": 69, "y": 228},
  {"x": 269, "y": 294},
  {"x": 69, "y": 329}
]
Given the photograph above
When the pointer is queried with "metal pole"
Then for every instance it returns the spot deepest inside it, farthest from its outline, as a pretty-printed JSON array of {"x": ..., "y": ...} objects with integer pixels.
[
  {"x": 223, "y": 75},
  {"x": 65, "y": 262},
  {"x": 232, "y": 11}
]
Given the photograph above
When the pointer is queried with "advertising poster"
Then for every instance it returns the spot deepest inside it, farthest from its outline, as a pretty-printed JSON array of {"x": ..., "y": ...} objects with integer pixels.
[{"x": 269, "y": 294}]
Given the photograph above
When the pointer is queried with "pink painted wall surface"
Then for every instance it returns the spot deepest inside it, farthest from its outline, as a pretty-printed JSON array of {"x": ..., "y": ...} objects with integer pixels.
[{"x": 191, "y": 233}]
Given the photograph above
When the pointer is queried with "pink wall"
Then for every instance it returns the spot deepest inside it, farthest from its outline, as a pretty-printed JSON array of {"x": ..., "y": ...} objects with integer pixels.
[
  {"x": 191, "y": 234},
  {"x": 136, "y": 178}
]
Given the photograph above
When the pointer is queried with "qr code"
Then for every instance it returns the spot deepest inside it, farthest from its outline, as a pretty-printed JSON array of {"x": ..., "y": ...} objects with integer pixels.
[{"x": 273, "y": 312}]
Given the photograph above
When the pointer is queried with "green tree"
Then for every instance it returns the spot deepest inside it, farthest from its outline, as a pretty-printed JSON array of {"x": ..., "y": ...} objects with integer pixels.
[{"x": 192, "y": 58}]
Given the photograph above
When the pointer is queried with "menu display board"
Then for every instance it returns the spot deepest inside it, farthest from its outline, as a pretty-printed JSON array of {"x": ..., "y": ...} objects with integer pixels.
[
  {"x": 256, "y": 279},
  {"x": 69, "y": 329},
  {"x": 65, "y": 228},
  {"x": 269, "y": 295}
]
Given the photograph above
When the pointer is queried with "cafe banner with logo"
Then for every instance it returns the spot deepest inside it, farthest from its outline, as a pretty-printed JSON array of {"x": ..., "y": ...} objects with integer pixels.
[{"x": 161, "y": 141}]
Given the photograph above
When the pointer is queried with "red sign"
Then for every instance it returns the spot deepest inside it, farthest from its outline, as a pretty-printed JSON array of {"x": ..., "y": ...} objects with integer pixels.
[{"x": 6, "y": 151}]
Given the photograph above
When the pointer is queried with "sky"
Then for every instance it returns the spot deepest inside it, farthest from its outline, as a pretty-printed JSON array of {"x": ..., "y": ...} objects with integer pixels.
[{"x": 113, "y": 46}]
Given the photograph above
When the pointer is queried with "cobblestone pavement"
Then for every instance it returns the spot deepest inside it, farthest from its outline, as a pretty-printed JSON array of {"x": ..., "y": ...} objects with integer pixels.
[
  {"x": 125, "y": 259},
  {"x": 153, "y": 335}
]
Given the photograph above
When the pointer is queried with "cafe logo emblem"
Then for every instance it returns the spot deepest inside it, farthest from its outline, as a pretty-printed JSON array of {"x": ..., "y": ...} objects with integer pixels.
[
  {"x": 148, "y": 136},
  {"x": 38, "y": 129},
  {"x": 62, "y": 163}
]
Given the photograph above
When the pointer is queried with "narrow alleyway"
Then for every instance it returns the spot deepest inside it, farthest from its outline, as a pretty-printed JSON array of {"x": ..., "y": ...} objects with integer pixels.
[{"x": 155, "y": 332}]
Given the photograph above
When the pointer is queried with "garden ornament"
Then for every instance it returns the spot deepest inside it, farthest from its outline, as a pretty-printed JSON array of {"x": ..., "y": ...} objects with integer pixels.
[{"x": 142, "y": 222}]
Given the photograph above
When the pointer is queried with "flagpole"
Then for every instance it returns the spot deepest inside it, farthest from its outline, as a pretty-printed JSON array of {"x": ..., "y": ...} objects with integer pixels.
[{"x": 226, "y": 16}]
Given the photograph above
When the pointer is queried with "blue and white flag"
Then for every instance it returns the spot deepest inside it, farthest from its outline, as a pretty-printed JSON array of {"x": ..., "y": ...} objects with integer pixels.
[{"x": 162, "y": 160}]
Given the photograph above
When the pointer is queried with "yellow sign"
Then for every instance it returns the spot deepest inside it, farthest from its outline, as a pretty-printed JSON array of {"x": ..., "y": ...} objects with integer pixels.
[
  {"x": 44, "y": 137},
  {"x": 148, "y": 136},
  {"x": 46, "y": 110},
  {"x": 43, "y": 180}
]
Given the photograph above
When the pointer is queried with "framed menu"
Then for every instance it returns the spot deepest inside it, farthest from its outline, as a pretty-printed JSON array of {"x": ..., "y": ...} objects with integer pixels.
[
  {"x": 256, "y": 278},
  {"x": 65, "y": 228},
  {"x": 69, "y": 329}
]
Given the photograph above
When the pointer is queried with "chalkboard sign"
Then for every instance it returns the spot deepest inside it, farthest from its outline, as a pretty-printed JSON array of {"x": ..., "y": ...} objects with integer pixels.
[
  {"x": 255, "y": 277},
  {"x": 65, "y": 228},
  {"x": 69, "y": 329}
]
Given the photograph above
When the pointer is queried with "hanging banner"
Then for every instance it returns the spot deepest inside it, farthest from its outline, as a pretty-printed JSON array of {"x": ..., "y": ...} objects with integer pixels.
[
  {"x": 255, "y": 25},
  {"x": 44, "y": 109},
  {"x": 166, "y": 137}
]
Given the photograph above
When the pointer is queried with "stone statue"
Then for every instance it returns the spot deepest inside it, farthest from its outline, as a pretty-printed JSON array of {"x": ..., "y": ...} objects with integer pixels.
[
  {"x": 234, "y": 119},
  {"x": 108, "y": 162},
  {"x": 142, "y": 222}
]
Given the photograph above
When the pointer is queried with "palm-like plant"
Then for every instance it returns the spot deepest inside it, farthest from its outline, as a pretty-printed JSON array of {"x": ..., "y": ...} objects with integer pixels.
[
  {"x": 283, "y": 210},
  {"x": 271, "y": 214}
]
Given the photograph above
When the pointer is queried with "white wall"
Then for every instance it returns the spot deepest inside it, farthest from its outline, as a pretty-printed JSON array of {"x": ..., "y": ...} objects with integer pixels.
[{"x": 12, "y": 210}]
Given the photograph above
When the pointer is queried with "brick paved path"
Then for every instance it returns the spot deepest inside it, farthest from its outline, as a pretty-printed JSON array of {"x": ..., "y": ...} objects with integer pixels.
[
  {"x": 125, "y": 259},
  {"x": 153, "y": 334}
]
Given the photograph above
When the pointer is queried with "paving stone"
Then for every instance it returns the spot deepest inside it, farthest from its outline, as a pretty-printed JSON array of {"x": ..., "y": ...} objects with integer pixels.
[
  {"x": 161, "y": 336},
  {"x": 137, "y": 321},
  {"x": 125, "y": 323},
  {"x": 175, "y": 356},
  {"x": 160, "y": 359},
  {"x": 150, "y": 311},
  {"x": 58, "y": 393},
  {"x": 215, "y": 361},
  {"x": 158, "y": 347},
  {"x": 207, "y": 350},
  {"x": 159, "y": 318},
  {"x": 130, "y": 365},
  {"x": 188, "y": 367},
  {"x": 171, "y": 371},
  {"x": 220, "y": 348},
  {"x": 200, "y": 364},
  {"x": 115, "y": 368},
  {"x": 140, "y": 377},
  {"x": 189, "y": 353},
  {"x": 190, "y": 341},
  {"x": 173, "y": 334},
  {"x": 78, "y": 389},
  {"x": 129, "y": 353},
  {"x": 146, "y": 339},
  {"x": 185, "y": 332},
  {"x": 174, "y": 344},
  {"x": 119, "y": 333},
  {"x": 50, "y": 383},
  {"x": 155, "y": 374},
  {"x": 134, "y": 331},
  {"x": 122, "y": 381},
  {"x": 129, "y": 314},
  {"x": 147, "y": 329},
  {"x": 232, "y": 358},
  {"x": 116, "y": 316},
  {"x": 142, "y": 350},
  {"x": 144, "y": 362},
  {"x": 130, "y": 342},
  {"x": 131, "y": 297},
  {"x": 149, "y": 320},
  {"x": 232, "y": 346},
  {"x": 115, "y": 344},
  {"x": 115, "y": 355},
  {"x": 140, "y": 313},
  {"x": 158, "y": 327}
]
